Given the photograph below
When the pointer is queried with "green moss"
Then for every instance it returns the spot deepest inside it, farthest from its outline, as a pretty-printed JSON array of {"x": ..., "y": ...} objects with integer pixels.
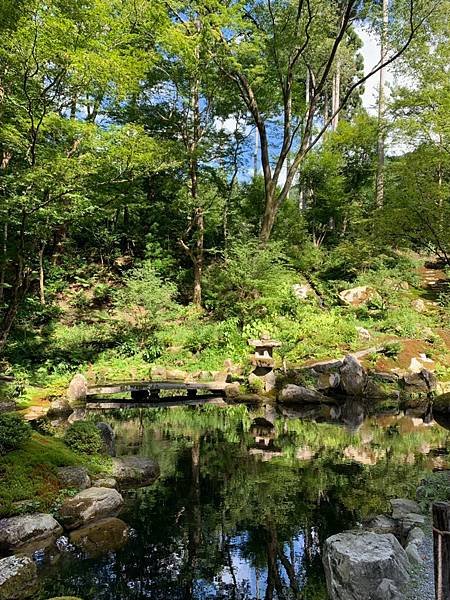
[{"x": 29, "y": 474}]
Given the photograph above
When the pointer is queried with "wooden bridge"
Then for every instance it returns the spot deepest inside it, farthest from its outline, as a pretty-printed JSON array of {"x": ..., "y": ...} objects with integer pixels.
[{"x": 146, "y": 393}]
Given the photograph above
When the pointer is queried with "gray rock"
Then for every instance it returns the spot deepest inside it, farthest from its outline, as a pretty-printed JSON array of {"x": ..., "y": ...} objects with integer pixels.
[
  {"x": 382, "y": 524},
  {"x": 300, "y": 394},
  {"x": 401, "y": 507},
  {"x": 105, "y": 482},
  {"x": 79, "y": 414},
  {"x": 135, "y": 471},
  {"x": 302, "y": 291},
  {"x": 413, "y": 554},
  {"x": 18, "y": 578},
  {"x": 106, "y": 535},
  {"x": 327, "y": 366},
  {"x": 357, "y": 562},
  {"x": 78, "y": 388},
  {"x": 441, "y": 404},
  {"x": 387, "y": 590},
  {"x": 16, "y": 532},
  {"x": 59, "y": 408},
  {"x": 74, "y": 477},
  {"x": 363, "y": 334},
  {"x": 328, "y": 381},
  {"x": 90, "y": 505},
  {"x": 353, "y": 377},
  {"x": 415, "y": 536},
  {"x": 6, "y": 407},
  {"x": 420, "y": 383},
  {"x": 358, "y": 295},
  {"x": 108, "y": 437},
  {"x": 410, "y": 521}
]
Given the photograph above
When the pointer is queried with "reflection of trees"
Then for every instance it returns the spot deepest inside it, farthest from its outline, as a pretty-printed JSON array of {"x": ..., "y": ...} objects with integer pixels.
[{"x": 216, "y": 508}]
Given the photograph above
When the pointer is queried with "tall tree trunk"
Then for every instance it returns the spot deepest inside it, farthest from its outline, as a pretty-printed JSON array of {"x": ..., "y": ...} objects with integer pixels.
[
  {"x": 19, "y": 288},
  {"x": 41, "y": 274},
  {"x": 379, "y": 186},
  {"x": 336, "y": 98},
  {"x": 4, "y": 258},
  {"x": 255, "y": 154}
]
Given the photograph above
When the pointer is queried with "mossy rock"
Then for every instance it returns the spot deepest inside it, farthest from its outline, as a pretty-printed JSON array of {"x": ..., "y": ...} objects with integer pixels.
[{"x": 441, "y": 404}]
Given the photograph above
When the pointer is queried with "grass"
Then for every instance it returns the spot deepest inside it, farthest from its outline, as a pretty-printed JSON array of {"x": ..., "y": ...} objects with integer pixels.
[
  {"x": 110, "y": 343},
  {"x": 29, "y": 474}
]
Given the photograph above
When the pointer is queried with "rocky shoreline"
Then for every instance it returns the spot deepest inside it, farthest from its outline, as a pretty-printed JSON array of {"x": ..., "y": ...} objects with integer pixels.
[{"x": 89, "y": 520}]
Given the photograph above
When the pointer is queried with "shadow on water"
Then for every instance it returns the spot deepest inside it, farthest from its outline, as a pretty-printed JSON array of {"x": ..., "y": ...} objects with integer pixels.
[{"x": 246, "y": 499}]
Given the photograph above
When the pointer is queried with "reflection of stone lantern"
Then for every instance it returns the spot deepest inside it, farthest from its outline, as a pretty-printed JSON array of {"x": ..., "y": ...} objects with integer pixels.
[{"x": 263, "y": 361}]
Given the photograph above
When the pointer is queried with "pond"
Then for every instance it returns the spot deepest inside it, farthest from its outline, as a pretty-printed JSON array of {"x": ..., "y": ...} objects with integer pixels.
[{"x": 246, "y": 500}]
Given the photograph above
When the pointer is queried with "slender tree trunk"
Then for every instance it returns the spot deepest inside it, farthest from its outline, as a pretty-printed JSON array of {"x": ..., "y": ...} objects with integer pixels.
[
  {"x": 41, "y": 274},
  {"x": 255, "y": 154},
  {"x": 19, "y": 288},
  {"x": 4, "y": 258},
  {"x": 336, "y": 98},
  {"x": 379, "y": 186}
]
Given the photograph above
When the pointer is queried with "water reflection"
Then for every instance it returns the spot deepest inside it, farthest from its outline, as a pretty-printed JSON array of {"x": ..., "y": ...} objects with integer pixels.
[{"x": 246, "y": 499}]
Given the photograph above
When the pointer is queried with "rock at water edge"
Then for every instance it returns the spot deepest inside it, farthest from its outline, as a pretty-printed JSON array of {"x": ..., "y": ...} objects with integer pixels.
[
  {"x": 135, "y": 471},
  {"x": 90, "y": 505},
  {"x": 18, "y": 578},
  {"x": 16, "y": 532},
  {"x": 357, "y": 562}
]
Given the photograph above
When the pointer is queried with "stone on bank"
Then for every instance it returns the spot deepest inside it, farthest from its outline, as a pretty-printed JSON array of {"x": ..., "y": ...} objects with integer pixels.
[
  {"x": 18, "y": 578},
  {"x": 16, "y": 532},
  {"x": 90, "y": 505},
  {"x": 134, "y": 471},
  {"x": 357, "y": 562}
]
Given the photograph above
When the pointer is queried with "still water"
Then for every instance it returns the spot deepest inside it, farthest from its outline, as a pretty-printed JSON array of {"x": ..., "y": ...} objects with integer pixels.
[{"x": 246, "y": 499}]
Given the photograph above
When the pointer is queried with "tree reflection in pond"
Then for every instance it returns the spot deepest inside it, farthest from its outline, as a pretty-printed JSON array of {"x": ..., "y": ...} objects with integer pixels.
[{"x": 245, "y": 501}]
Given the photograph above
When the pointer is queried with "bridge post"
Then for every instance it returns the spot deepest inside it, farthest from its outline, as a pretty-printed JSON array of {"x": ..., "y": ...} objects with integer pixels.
[{"x": 441, "y": 538}]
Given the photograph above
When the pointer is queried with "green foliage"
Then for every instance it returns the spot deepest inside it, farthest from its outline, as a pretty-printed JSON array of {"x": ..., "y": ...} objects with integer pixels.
[
  {"x": 252, "y": 282},
  {"x": 83, "y": 436},
  {"x": 14, "y": 432}
]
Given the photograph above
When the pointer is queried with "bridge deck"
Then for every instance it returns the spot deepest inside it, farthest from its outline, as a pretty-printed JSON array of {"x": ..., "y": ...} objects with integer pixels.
[{"x": 155, "y": 386}]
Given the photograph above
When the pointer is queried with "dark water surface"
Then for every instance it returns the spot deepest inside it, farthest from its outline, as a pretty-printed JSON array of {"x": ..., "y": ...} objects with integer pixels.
[{"x": 246, "y": 499}]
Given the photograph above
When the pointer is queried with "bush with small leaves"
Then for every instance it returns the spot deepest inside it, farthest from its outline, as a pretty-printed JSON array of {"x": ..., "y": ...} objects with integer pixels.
[
  {"x": 14, "y": 432},
  {"x": 83, "y": 436}
]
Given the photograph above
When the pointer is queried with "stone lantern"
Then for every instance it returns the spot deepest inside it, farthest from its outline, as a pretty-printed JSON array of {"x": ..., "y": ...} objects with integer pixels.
[{"x": 263, "y": 361}]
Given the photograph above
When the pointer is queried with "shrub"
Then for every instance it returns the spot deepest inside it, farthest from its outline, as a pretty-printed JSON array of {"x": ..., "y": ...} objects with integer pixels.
[
  {"x": 14, "y": 432},
  {"x": 83, "y": 436}
]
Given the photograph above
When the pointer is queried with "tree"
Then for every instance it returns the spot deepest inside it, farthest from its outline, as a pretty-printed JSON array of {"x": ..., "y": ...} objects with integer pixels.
[{"x": 272, "y": 51}]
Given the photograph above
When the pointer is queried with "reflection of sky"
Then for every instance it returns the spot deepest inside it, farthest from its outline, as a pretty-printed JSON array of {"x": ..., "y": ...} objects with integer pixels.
[{"x": 256, "y": 578}]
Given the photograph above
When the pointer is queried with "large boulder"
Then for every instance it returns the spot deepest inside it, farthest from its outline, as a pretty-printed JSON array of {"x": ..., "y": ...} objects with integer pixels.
[
  {"x": 106, "y": 535},
  {"x": 328, "y": 381},
  {"x": 353, "y": 377},
  {"x": 90, "y": 505},
  {"x": 422, "y": 382},
  {"x": 441, "y": 405},
  {"x": 78, "y": 388},
  {"x": 299, "y": 394},
  {"x": 402, "y": 507},
  {"x": 23, "y": 530},
  {"x": 134, "y": 471},
  {"x": 357, "y": 562},
  {"x": 74, "y": 477},
  {"x": 358, "y": 296},
  {"x": 18, "y": 578}
]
